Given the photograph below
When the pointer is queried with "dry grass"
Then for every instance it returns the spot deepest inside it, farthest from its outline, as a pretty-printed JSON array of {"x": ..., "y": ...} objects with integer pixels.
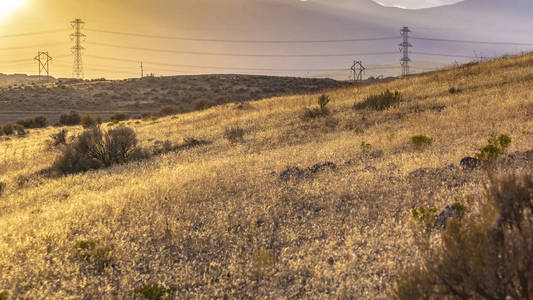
[{"x": 217, "y": 219}]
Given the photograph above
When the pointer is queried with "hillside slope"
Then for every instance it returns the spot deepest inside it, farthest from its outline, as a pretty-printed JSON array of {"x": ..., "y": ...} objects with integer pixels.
[
  {"x": 238, "y": 219},
  {"x": 149, "y": 94}
]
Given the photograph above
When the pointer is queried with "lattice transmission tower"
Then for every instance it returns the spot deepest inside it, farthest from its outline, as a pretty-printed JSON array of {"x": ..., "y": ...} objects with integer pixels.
[
  {"x": 357, "y": 70},
  {"x": 77, "y": 49},
  {"x": 43, "y": 59},
  {"x": 404, "y": 48}
]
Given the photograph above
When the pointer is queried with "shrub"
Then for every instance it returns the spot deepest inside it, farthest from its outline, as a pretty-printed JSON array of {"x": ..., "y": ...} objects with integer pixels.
[
  {"x": 3, "y": 295},
  {"x": 486, "y": 255},
  {"x": 496, "y": 147},
  {"x": 153, "y": 292},
  {"x": 119, "y": 117},
  {"x": 234, "y": 134},
  {"x": 88, "y": 121},
  {"x": 91, "y": 252},
  {"x": 169, "y": 110},
  {"x": 70, "y": 119},
  {"x": 317, "y": 112},
  {"x": 421, "y": 141},
  {"x": 323, "y": 100},
  {"x": 95, "y": 149},
  {"x": 8, "y": 129},
  {"x": 381, "y": 101},
  {"x": 59, "y": 138},
  {"x": 454, "y": 90},
  {"x": 3, "y": 187},
  {"x": 201, "y": 104},
  {"x": 37, "y": 122},
  {"x": 20, "y": 130}
]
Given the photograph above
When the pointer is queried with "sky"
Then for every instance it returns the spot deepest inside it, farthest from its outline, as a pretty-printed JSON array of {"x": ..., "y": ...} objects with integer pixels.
[
  {"x": 416, "y": 4},
  {"x": 174, "y": 37}
]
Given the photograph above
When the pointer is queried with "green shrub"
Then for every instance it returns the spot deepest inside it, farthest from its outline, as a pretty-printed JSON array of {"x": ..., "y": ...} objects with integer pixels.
[
  {"x": 234, "y": 134},
  {"x": 3, "y": 295},
  {"x": 153, "y": 292},
  {"x": 70, "y": 119},
  {"x": 497, "y": 145},
  {"x": 381, "y": 101},
  {"x": 486, "y": 255},
  {"x": 421, "y": 141}
]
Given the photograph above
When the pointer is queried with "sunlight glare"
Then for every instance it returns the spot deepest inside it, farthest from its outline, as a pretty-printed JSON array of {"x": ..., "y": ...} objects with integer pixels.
[{"x": 7, "y": 6}]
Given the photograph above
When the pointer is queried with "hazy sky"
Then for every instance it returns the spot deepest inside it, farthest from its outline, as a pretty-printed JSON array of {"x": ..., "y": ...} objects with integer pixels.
[
  {"x": 205, "y": 36},
  {"x": 413, "y": 4}
]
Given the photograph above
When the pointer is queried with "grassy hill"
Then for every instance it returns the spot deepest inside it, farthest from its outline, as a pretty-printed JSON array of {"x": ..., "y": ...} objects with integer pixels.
[
  {"x": 237, "y": 218},
  {"x": 147, "y": 95}
]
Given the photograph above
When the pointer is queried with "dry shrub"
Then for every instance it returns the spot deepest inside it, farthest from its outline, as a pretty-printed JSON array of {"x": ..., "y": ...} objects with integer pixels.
[
  {"x": 95, "y": 149},
  {"x": 59, "y": 138},
  {"x": 70, "y": 119},
  {"x": 317, "y": 112},
  {"x": 8, "y": 129},
  {"x": 234, "y": 134},
  {"x": 487, "y": 255},
  {"x": 88, "y": 121},
  {"x": 421, "y": 141},
  {"x": 381, "y": 101}
]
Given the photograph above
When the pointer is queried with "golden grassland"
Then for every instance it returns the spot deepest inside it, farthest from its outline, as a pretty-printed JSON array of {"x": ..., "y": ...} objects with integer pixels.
[{"x": 217, "y": 220}]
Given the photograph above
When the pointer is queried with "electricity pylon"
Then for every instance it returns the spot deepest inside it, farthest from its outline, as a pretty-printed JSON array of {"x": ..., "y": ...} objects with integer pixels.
[
  {"x": 77, "y": 49},
  {"x": 404, "y": 48},
  {"x": 358, "y": 69},
  {"x": 43, "y": 59}
]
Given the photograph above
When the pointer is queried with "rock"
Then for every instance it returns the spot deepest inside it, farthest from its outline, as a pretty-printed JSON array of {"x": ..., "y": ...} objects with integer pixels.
[
  {"x": 470, "y": 163},
  {"x": 419, "y": 172},
  {"x": 370, "y": 169},
  {"x": 446, "y": 214},
  {"x": 290, "y": 173},
  {"x": 321, "y": 166}
]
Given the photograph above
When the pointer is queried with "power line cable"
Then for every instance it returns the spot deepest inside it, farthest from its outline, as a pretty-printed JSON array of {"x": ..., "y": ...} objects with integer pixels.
[
  {"x": 441, "y": 54},
  {"x": 471, "y": 42},
  {"x": 212, "y": 67},
  {"x": 242, "y": 41},
  {"x": 32, "y": 33},
  {"x": 240, "y": 54},
  {"x": 34, "y": 46}
]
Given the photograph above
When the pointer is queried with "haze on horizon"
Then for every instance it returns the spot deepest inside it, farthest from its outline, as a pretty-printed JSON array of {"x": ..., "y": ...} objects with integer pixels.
[{"x": 279, "y": 20}]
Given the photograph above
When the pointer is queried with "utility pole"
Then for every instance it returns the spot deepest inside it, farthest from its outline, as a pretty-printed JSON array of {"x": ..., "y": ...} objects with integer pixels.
[
  {"x": 404, "y": 48},
  {"x": 43, "y": 59},
  {"x": 77, "y": 49},
  {"x": 142, "y": 70},
  {"x": 358, "y": 69}
]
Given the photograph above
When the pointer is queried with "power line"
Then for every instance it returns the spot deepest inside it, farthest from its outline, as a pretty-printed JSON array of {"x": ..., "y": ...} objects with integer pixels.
[
  {"x": 32, "y": 33},
  {"x": 472, "y": 42},
  {"x": 243, "y": 41},
  {"x": 240, "y": 54},
  {"x": 212, "y": 67},
  {"x": 34, "y": 46},
  {"x": 441, "y": 54}
]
